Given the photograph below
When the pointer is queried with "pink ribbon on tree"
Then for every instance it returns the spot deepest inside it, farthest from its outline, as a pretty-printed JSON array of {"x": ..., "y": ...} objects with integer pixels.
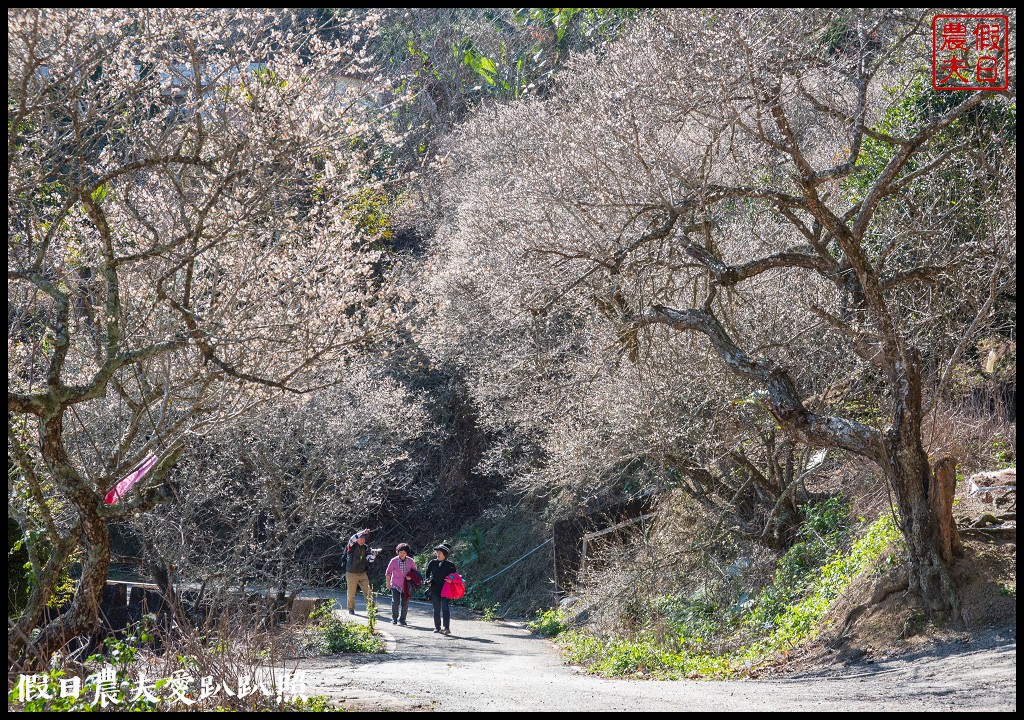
[{"x": 129, "y": 480}]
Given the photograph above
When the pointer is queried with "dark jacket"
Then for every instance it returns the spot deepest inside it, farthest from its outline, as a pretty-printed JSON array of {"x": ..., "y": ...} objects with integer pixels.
[
  {"x": 437, "y": 571},
  {"x": 356, "y": 558}
]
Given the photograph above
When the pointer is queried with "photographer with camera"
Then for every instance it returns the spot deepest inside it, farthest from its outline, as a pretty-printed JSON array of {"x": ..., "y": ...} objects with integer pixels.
[{"x": 357, "y": 557}]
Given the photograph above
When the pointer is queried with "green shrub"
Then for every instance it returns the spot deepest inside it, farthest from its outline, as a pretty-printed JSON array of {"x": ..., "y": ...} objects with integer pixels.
[
  {"x": 548, "y": 623},
  {"x": 822, "y": 534},
  {"x": 693, "y": 620},
  {"x": 492, "y": 612},
  {"x": 799, "y": 621},
  {"x": 700, "y": 639},
  {"x": 617, "y": 657},
  {"x": 315, "y": 703},
  {"x": 332, "y": 635}
]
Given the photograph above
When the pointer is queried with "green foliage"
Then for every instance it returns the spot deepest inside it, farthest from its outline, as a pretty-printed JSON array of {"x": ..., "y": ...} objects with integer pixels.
[
  {"x": 549, "y": 623},
  {"x": 988, "y": 131},
  {"x": 821, "y": 536},
  {"x": 491, "y": 613},
  {"x": 121, "y": 653},
  {"x": 1003, "y": 453},
  {"x": 443, "y": 63},
  {"x": 20, "y": 575},
  {"x": 19, "y": 569},
  {"x": 592, "y": 24},
  {"x": 371, "y": 614},
  {"x": 799, "y": 622},
  {"x": 476, "y": 598},
  {"x": 645, "y": 655},
  {"x": 422, "y": 560},
  {"x": 332, "y": 635},
  {"x": 63, "y": 590},
  {"x": 481, "y": 65},
  {"x": 368, "y": 211},
  {"x": 698, "y": 638},
  {"x": 914, "y": 107},
  {"x": 100, "y": 193},
  {"x": 470, "y": 544},
  {"x": 346, "y": 637},
  {"x": 315, "y": 703},
  {"x": 692, "y": 621}
]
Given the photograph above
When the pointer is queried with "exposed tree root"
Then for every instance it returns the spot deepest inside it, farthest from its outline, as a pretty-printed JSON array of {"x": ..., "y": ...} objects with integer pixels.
[
  {"x": 991, "y": 533},
  {"x": 885, "y": 587}
]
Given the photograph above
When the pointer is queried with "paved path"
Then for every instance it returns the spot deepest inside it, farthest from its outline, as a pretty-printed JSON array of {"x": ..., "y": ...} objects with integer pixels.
[{"x": 500, "y": 666}]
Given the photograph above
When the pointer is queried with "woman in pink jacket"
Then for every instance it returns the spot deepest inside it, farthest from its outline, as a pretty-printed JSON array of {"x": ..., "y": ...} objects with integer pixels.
[{"x": 397, "y": 578}]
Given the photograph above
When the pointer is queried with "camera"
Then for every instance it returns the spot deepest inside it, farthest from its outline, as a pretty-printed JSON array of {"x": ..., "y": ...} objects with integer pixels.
[{"x": 374, "y": 551}]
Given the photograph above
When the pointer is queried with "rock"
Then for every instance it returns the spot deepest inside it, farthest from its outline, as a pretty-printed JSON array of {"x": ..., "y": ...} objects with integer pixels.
[{"x": 995, "y": 485}]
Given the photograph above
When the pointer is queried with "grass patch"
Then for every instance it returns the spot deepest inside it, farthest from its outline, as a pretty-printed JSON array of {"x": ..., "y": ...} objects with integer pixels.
[
  {"x": 548, "y": 623},
  {"x": 329, "y": 634},
  {"x": 694, "y": 638},
  {"x": 800, "y": 622},
  {"x": 315, "y": 703}
]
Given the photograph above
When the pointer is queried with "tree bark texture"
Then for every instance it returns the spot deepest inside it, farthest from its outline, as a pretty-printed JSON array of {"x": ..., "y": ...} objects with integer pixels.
[
  {"x": 940, "y": 495},
  {"x": 911, "y": 478},
  {"x": 83, "y": 615}
]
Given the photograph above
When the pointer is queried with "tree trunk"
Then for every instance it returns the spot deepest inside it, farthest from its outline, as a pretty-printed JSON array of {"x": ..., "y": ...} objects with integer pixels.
[
  {"x": 925, "y": 521},
  {"x": 899, "y": 452},
  {"x": 19, "y": 633},
  {"x": 940, "y": 495},
  {"x": 83, "y": 615},
  {"x": 930, "y": 576}
]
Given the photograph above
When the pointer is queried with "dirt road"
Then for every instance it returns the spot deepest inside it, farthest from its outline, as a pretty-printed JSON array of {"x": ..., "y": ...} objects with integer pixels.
[{"x": 501, "y": 666}]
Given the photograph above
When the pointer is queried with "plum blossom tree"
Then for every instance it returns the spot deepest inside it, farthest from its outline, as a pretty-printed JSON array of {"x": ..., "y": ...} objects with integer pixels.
[
  {"x": 777, "y": 194},
  {"x": 270, "y": 499},
  {"x": 180, "y": 248},
  {"x": 572, "y": 421}
]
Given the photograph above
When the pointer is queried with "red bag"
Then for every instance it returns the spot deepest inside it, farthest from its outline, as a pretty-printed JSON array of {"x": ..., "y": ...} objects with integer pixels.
[
  {"x": 413, "y": 581},
  {"x": 454, "y": 587}
]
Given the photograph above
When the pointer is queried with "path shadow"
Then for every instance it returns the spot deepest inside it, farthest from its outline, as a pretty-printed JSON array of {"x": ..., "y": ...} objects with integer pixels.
[{"x": 456, "y": 636}]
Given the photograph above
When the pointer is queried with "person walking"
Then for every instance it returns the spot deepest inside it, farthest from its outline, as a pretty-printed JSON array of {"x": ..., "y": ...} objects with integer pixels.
[
  {"x": 398, "y": 578},
  {"x": 357, "y": 558},
  {"x": 437, "y": 570}
]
